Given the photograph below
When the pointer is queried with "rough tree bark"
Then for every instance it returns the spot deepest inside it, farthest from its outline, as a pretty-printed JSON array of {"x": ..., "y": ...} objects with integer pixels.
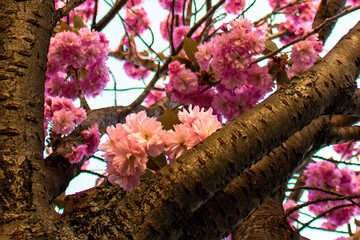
[{"x": 162, "y": 205}]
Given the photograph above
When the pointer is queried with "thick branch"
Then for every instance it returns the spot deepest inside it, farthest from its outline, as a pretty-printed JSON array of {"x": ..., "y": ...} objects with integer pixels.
[
  {"x": 327, "y": 9},
  {"x": 178, "y": 190}
]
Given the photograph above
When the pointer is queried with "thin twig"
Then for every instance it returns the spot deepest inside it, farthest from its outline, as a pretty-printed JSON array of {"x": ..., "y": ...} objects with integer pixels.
[
  {"x": 64, "y": 11},
  {"x": 315, "y": 30}
]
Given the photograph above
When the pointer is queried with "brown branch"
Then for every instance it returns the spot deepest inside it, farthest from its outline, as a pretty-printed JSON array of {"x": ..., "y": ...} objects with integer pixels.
[
  {"x": 109, "y": 16},
  {"x": 327, "y": 9},
  {"x": 64, "y": 11}
]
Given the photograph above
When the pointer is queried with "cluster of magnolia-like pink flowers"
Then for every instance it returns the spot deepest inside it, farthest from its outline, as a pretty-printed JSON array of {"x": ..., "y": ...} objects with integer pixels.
[
  {"x": 76, "y": 64},
  {"x": 92, "y": 140},
  {"x": 63, "y": 115},
  {"x": 325, "y": 175},
  {"x": 130, "y": 144},
  {"x": 304, "y": 55}
]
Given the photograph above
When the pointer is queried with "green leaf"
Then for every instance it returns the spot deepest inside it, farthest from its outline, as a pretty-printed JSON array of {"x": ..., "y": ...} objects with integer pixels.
[
  {"x": 156, "y": 163},
  {"x": 270, "y": 46},
  {"x": 78, "y": 22},
  {"x": 65, "y": 27},
  {"x": 169, "y": 118},
  {"x": 190, "y": 48},
  {"x": 282, "y": 78}
]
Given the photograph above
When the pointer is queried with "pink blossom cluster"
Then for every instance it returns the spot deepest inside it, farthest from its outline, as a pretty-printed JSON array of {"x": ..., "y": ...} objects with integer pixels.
[
  {"x": 234, "y": 6},
  {"x": 231, "y": 104},
  {"x": 196, "y": 125},
  {"x": 128, "y": 147},
  {"x": 135, "y": 72},
  {"x": 299, "y": 18},
  {"x": 130, "y": 144},
  {"x": 304, "y": 55},
  {"x": 76, "y": 64},
  {"x": 92, "y": 140},
  {"x": 241, "y": 85},
  {"x": 136, "y": 20},
  {"x": 346, "y": 149},
  {"x": 63, "y": 114},
  {"x": 85, "y": 10},
  {"x": 232, "y": 52},
  {"x": 325, "y": 175},
  {"x": 179, "y": 5},
  {"x": 289, "y": 204}
]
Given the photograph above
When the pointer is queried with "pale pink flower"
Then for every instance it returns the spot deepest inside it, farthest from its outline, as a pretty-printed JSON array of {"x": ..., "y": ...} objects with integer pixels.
[
  {"x": 205, "y": 127},
  {"x": 128, "y": 182},
  {"x": 194, "y": 113},
  {"x": 63, "y": 121},
  {"x": 147, "y": 131},
  {"x": 128, "y": 157},
  {"x": 180, "y": 140},
  {"x": 204, "y": 55}
]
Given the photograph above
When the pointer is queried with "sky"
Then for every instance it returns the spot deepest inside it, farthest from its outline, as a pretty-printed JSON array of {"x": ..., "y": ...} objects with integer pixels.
[{"x": 114, "y": 32}]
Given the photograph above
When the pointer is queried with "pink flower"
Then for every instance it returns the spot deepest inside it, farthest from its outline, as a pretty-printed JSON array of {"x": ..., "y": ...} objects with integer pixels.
[
  {"x": 92, "y": 138},
  {"x": 63, "y": 121},
  {"x": 147, "y": 131},
  {"x": 234, "y": 6},
  {"x": 154, "y": 96},
  {"x": 128, "y": 157},
  {"x": 178, "y": 5},
  {"x": 185, "y": 81},
  {"x": 174, "y": 67},
  {"x": 180, "y": 140},
  {"x": 136, "y": 72},
  {"x": 77, "y": 154},
  {"x": 204, "y": 55},
  {"x": 126, "y": 182}
]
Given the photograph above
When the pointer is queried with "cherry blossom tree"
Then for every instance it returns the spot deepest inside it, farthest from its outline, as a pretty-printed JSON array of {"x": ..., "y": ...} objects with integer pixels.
[{"x": 231, "y": 110}]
